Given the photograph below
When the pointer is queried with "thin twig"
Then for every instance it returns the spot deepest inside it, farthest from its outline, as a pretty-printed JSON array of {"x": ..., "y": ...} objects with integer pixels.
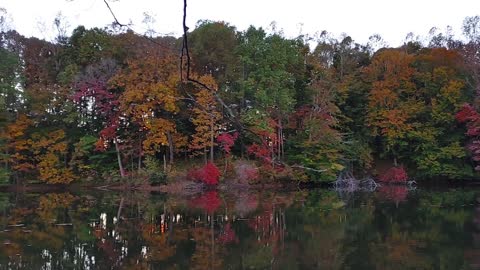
[
  {"x": 113, "y": 14},
  {"x": 307, "y": 168},
  {"x": 117, "y": 22}
]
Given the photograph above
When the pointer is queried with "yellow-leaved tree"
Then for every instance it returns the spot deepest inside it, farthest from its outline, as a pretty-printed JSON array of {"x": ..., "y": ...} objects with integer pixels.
[{"x": 206, "y": 118}]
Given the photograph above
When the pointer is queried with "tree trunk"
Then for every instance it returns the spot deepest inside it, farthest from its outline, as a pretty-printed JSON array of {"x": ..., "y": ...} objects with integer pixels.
[
  {"x": 226, "y": 165},
  {"x": 242, "y": 147},
  {"x": 171, "y": 147},
  {"x": 205, "y": 154},
  {"x": 119, "y": 158},
  {"x": 211, "y": 140},
  {"x": 119, "y": 211},
  {"x": 140, "y": 157},
  {"x": 164, "y": 163},
  {"x": 279, "y": 139},
  {"x": 6, "y": 158}
]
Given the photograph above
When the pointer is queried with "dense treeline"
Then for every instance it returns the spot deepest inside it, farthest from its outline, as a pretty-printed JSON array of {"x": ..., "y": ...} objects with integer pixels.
[{"x": 103, "y": 102}]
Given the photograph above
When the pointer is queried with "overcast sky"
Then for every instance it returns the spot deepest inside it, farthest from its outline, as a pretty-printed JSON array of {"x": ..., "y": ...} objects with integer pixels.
[{"x": 358, "y": 18}]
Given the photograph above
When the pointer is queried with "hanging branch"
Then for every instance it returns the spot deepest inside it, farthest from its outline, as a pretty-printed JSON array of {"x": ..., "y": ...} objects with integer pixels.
[
  {"x": 117, "y": 22},
  {"x": 186, "y": 53},
  {"x": 113, "y": 14}
]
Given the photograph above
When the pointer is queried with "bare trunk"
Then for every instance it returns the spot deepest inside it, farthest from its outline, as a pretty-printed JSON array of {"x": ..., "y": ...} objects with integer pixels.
[
  {"x": 139, "y": 163},
  {"x": 171, "y": 147},
  {"x": 283, "y": 144},
  {"x": 211, "y": 141},
  {"x": 140, "y": 157},
  {"x": 119, "y": 158},
  {"x": 6, "y": 160},
  {"x": 232, "y": 116},
  {"x": 205, "y": 154},
  {"x": 226, "y": 165},
  {"x": 310, "y": 116},
  {"x": 272, "y": 149},
  {"x": 164, "y": 162},
  {"x": 120, "y": 206},
  {"x": 280, "y": 140}
]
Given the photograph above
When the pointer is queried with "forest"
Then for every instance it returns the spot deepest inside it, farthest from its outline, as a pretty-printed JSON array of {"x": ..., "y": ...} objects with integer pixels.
[{"x": 109, "y": 104}]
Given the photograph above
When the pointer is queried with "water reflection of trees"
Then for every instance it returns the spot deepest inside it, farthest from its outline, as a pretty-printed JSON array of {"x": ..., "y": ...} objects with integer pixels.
[{"x": 244, "y": 230}]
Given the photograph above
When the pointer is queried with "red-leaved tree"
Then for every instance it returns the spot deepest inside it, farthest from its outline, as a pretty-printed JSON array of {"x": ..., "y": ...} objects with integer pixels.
[
  {"x": 471, "y": 118},
  {"x": 226, "y": 141}
]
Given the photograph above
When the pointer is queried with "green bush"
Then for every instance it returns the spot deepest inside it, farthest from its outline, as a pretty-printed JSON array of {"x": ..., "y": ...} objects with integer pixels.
[
  {"x": 155, "y": 173},
  {"x": 4, "y": 176}
]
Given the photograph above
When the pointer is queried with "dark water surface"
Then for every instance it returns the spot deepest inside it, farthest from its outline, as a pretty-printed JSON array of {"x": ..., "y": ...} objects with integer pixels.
[{"x": 392, "y": 228}]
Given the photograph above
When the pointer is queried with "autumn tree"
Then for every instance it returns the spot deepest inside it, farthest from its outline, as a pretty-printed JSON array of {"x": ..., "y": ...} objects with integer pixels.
[
  {"x": 206, "y": 119},
  {"x": 50, "y": 152},
  {"x": 442, "y": 88},
  {"x": 148, "y": 101},
  {"x": 391, "y": 101}
]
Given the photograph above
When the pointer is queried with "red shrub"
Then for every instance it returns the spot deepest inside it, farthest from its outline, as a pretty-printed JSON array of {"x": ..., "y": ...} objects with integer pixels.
[
  {"x": 394, "y": 175},
  {"x": 208, "y": 174}
]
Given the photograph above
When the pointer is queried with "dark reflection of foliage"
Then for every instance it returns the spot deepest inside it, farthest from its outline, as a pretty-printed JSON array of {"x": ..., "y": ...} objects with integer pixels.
[{"x": 240, "y": 230}]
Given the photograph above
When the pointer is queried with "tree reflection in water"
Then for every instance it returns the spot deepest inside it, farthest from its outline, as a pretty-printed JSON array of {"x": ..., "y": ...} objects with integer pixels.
[{"x": 390, "y": 229}]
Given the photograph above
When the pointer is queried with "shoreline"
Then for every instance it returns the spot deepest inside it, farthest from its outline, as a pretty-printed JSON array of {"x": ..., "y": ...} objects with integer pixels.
[{"x": 190, "y": 187}]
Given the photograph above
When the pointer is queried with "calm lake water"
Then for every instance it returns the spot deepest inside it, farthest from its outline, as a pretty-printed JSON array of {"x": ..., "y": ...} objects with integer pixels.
[{"x": 392, "y": 228}]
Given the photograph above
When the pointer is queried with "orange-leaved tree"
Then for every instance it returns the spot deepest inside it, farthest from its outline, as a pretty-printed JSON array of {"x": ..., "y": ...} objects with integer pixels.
[
  {"x": 148, "y": 102},
  {"x": 50, "y": 152},
  {"x": 391, "y": 102},
  {"x": 206, "y": 118},
  {"x": 19, "y": 144}
]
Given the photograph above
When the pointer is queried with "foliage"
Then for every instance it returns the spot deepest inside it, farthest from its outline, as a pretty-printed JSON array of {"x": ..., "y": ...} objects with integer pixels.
[
  {"x": 206, "y": 119},
  {"x": 208, "y": 174},
  {"x": 394, "y": 175},
  {"x": 100, "y": 99},
  {"x": 48, "y": 151},
  {"x": 471, "y": 118},
  {"x": 226, "y": 141},
  {"x": 155, "y": 173}
]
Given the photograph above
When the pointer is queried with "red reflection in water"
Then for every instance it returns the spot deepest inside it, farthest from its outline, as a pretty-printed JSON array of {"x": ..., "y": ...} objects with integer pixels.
[
  {"x": 208, "y": 201},
  {"x": 228, "y": 235},
  {"x": 396, "y": 193},
  {"x": 394, "y": 175},
  {"x": 269, "y": 228}
]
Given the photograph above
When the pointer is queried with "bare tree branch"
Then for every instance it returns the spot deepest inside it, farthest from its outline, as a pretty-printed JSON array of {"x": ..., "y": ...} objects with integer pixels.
[
  {"x": 117, "y": 22},
  {"x": 186, "y": 53},
  {"x": 113, "y": 14}
]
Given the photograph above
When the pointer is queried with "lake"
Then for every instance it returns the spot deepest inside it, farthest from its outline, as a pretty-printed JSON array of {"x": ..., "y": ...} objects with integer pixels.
[{"x": 391, "y": 228}]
